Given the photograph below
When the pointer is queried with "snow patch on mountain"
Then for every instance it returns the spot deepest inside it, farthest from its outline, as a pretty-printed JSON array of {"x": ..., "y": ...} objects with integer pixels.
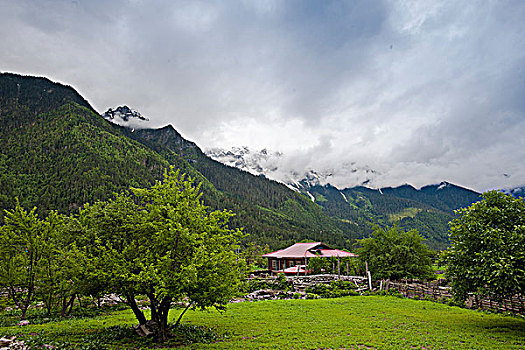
[
  {"x": 287, "y": 169},
  {"x": 442, "y": 185},
  {"x": 262, "y": 162},
  {"x": 311, "y": 196},
  {"x": 125, "y": 116}
]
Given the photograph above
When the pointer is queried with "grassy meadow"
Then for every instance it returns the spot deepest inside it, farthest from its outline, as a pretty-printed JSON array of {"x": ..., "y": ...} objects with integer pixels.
[{"x": 366, "y": 322}]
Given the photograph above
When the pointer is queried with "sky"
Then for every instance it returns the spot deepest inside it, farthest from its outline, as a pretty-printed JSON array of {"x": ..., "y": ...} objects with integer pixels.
[{"x": 419, "y": 91}]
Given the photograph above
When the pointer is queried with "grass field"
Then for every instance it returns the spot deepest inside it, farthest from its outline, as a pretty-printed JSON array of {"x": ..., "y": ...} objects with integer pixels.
[{"x": 367, "y": 322}]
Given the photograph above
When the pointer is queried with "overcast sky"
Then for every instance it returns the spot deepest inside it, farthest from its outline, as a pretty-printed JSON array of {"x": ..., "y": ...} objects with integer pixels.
[{"x": 420, "y": 91}]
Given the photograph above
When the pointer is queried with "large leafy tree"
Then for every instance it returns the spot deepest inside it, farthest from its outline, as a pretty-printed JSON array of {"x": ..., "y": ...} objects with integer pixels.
[
  {"x": 487, "y": 254},
  {"x": 393, "y": 253},
  {"x": 163, "y": 243}
]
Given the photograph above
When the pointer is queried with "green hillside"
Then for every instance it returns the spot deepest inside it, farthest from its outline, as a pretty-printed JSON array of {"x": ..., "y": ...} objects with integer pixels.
[
  {"x": 59, "y": 153},
  {"x": 274, "y": 214},
  {"x": 428, "y": 210}
]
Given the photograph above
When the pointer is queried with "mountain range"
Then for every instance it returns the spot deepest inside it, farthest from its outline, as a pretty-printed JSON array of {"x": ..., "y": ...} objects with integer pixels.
[
  {"x": 59, "y": 153},
  {"x": 277, "y": 166},
  {"x": 428, "y": 209}
]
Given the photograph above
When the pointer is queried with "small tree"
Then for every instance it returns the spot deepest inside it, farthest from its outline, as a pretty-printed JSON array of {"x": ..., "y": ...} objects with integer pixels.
[
  {"x": 487, "y": 254},
  {"x": 320, "y": 265},
  {"x": 395, "y": 254},
  {"x": 26, "y": 246},
  {"x": 163, "y": 243},
  {"x": 253, "y": 253}
]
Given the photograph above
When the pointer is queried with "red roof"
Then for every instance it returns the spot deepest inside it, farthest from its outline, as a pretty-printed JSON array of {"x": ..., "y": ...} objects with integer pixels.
[
  {"x": 335, "y": 252},
  {"x": 293, "y": 270},
  {"x": 308, "y": 250}
]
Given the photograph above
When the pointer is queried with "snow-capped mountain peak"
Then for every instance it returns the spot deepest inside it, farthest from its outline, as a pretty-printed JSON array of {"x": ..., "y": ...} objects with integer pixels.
[
  {"x": 125, "y": 116},
  {"x": 255, "y": 162},
  {"x": 297, "y": 175}
]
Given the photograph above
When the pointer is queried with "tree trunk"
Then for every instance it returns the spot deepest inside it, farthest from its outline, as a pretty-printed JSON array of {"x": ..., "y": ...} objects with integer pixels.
[
  {"x": 160, "y": 316},
  {"x": 66, "y": 305},
  {"x": 182, "y": 314},
  {"x": 24, "y": 310},
  {"x": 27, "y": 302},
  {"x": 72, "y": 303},
  {"x": 130, "y": 300},
  {"x": 163, "y": 324}
]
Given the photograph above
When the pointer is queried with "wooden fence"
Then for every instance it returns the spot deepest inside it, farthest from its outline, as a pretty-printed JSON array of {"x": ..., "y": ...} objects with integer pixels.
[{"x": 436, "y": 291}]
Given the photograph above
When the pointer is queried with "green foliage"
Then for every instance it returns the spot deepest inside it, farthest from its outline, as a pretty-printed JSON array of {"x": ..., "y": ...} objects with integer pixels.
[
  {"x": 281, "y": 283},
  {"x": 487, "y": 255},
  {"x": 162, "y": 243},
  {"x": 326, "y": 265},
  {"x": 190, "y": 334},
  {"x": 27, "y": 255},
  {"x": 396, "y": 254},
  {"x": 257, "y": 284},
  {"x": 391, "y": 292},
  {"x": 427, "y": 210},
  {"x": 333, "y": 290}
]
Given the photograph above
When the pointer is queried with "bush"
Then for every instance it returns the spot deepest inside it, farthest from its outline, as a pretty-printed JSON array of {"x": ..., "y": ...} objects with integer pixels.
[
  {"x": 281, "y": 283},
  {"x": 255, "y": 284},
  {"x": 390, "y": 292},
  {"x": 312, "y": 296},
  {"x": 333, "y": 290}
]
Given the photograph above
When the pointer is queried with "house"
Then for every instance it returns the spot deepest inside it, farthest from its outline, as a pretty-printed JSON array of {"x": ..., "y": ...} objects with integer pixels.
[{"x": 294, "y": 259}]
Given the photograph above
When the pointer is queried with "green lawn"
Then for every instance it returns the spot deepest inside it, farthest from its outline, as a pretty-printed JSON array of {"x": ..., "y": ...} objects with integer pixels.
[{"x": 368, "y": 322}]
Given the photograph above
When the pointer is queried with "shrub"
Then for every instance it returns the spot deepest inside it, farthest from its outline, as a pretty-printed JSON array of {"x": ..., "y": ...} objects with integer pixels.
[
  {"x": 333, "y": 290},
  {"x": 255, "y": 284},
  {"x": 281, "y": 283}
]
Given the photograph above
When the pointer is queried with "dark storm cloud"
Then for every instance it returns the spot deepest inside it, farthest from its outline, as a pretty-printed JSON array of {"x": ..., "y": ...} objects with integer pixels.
[{"x": 421, "y": 91}]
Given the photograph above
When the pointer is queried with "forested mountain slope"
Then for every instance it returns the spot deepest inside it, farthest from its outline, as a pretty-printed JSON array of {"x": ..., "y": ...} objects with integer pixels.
[
  {"x": 58, "y": 153},
  {"x": 278, "y": 215},
  {"x": 428, "y": 209}
]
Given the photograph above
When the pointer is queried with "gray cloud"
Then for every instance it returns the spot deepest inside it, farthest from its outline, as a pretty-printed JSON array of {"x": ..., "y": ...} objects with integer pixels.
[{"x": 421, "y": 91}]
